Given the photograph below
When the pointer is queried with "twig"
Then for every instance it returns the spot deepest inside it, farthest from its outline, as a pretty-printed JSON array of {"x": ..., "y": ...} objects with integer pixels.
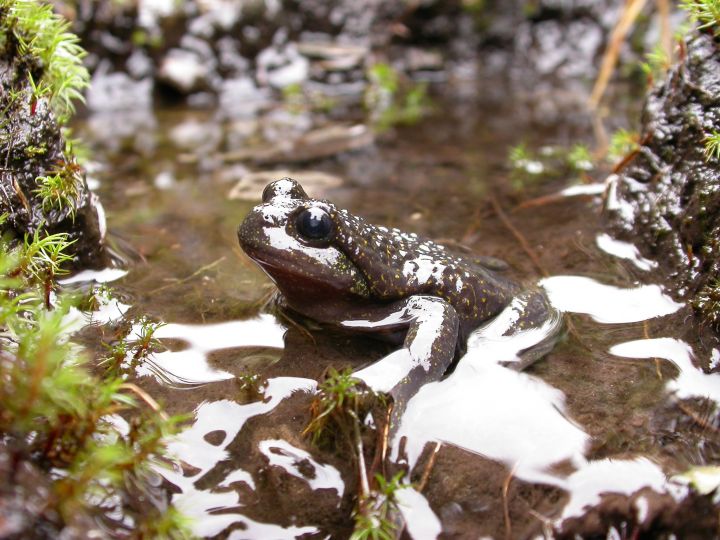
[
  {"x": 627, "y": 18},
  {"x": 429, "y": 467},
  {"x": 147, "y": 398},
  {"x": 191, "y": 276},
  {"x": 506, "y": 506},
  {"x": 646, "y": 334},
  {"x": 362, "y": 469},
  {"x": 699, "y": 420},
  {"x": 517, "y": 234},
  {"x": 665, "y": 33}
]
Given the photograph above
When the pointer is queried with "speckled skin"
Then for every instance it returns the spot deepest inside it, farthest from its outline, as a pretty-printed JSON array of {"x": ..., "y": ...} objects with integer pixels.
[{"x": 373, "y": 279}]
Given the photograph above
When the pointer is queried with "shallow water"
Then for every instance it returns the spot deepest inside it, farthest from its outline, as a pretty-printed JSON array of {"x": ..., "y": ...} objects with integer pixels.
[{"x": 598, "y": 414}]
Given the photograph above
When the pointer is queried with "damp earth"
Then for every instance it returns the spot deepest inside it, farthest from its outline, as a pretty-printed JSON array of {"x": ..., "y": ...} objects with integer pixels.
[{"x": 593, "y": 437}]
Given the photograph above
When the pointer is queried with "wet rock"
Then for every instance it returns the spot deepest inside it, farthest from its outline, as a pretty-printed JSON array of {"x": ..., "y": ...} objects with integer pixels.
[
  {"x": 241, "y": 98},
  {"x": 33, "y": 146},
  {"x": 329, "y": 56},
  {"x": 281, "y": 67},
  {"x": 668, "y": 195},
  {"x": 118, "y": 91},
  {"x": 185, "y": 71}
]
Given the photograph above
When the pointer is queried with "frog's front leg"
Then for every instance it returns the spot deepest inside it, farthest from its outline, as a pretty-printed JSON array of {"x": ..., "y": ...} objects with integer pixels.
[{"x": 432, "y": 333}]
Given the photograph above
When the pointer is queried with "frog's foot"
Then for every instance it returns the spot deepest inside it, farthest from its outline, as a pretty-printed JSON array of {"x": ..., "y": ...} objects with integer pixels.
[
  {"x": 427, "y": 352},
  {"x": 525, "y": 331}
]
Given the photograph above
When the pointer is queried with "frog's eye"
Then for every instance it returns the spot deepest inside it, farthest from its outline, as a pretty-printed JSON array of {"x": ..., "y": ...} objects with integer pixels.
[{"x": 314, "y": 223}]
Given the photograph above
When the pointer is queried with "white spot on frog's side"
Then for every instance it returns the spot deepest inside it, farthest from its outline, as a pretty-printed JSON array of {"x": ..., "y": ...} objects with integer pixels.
[
  {"x": 624, "y": 250},
  {"x": 190, "y": 366},
  {"x": 615, "y": 476},
  {"x": 422, "y": 268},
  {"x": 690, "y": 382},
  {"x": 396, "y": 317},
  {"x": 284, "y": 455},
  {"x": 605, "y": 303},
  {"x": 190, "y": 447},
  {"x": 420, "y": 520}
]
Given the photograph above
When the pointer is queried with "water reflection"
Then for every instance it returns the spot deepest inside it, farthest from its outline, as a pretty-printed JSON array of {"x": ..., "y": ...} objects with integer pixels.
[
  {"x": 505, "y": 415},
  {"x": 198, "y": 456},
  {"x": 690, "y": 382},
  {"x": 190, "y": 366},
  {"x": 615, "y": 476},
  {"x": 624, "y": 250},
  {"x": 606, "y": 303},
  {"x": 284, "y": 455}
]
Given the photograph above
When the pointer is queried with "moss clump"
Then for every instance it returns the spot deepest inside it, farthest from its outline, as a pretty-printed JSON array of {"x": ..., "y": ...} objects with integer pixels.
[
  {"x": 54, "y": 56},
  {"x": 67, "y": 426},
  {"x": 707, "y": 303},
  {"x": 706, "y": 13},
  {"x": 41, "y": 77}
]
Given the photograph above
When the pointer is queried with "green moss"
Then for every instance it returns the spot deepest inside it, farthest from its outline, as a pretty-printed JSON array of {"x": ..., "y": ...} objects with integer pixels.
[
  {"x": 374, "y": 517},
  {"x": 712, "y": 145},
  {"x": 44, "y": 36},
  {"x": 706, "y": 13},
  {"x": 336, "y": 409},
  {"x": 622, "y": 143},
  {"x": 531, "y": 167},
  {"x": 55, "y": 414},
  {"x": 707, "y": 303}
]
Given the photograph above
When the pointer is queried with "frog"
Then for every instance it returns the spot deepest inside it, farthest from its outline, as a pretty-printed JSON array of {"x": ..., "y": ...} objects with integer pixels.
[{"x": 339, "y": 270}]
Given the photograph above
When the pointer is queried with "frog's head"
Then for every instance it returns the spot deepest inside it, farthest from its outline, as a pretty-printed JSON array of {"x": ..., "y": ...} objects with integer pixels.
[{"x": 293, "y": 239}]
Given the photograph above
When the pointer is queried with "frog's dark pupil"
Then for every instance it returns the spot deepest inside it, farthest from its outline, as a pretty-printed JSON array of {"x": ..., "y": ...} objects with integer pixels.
[{"x": 314, "y": 223}]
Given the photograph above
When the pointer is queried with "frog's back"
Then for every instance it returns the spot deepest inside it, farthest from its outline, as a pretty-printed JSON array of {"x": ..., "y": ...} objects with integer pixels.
[{"x": 397, "y": 264}]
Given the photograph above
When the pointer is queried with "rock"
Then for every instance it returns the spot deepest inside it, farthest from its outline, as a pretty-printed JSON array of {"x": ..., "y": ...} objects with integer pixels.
[
  {"x": 117, "y": 91},
  {"x": 241, "y": 98},
  {"x": 33, "y": 146},
  {"x": 281, "y": 67},
  {"x": 328, "y": 56},
  {"x": 184, "y": 71},
  {"x": 668, "y": 194}
]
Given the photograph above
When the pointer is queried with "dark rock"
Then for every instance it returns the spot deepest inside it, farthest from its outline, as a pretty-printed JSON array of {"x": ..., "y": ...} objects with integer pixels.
[
  {"x": 32, "y": 145},
  {"x": 669, "y": 193}
]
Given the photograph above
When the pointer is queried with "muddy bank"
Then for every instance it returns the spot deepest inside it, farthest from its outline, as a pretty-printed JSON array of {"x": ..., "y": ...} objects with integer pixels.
[{"x": 668, "y": 194}]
